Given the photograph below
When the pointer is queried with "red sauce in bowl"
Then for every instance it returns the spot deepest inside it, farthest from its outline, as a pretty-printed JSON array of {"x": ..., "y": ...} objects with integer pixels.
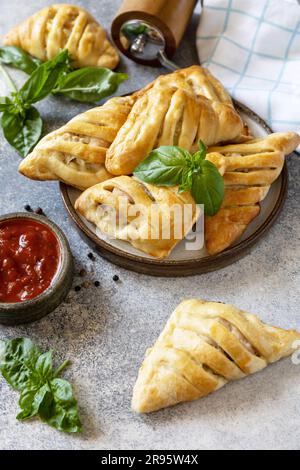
[{"x": 29, "y": 259}]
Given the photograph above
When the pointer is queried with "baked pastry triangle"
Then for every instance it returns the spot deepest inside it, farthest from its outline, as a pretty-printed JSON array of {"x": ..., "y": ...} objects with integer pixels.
[
  {"x": 250, "y": 169},
  {"x": 64, "y": 26},
  {"x": 177, "y": 109},
  {"x": 204, "y": 346},
  {"x": 196, "y": 80},
  {"x": 75, "y": 154},
  {"x": 124, "y": 208}
]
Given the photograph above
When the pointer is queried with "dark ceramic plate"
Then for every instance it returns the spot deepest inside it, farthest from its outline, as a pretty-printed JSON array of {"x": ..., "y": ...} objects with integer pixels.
[{"x": 182, "y": 262}]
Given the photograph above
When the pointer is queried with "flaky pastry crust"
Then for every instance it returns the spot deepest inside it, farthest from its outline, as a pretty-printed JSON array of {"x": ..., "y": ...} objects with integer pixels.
[
  {"x": 250, "y": 170},
  {"x": 177, "y": 109},
  {"x": 64, "y": 26},
  {"x": 142, "y": 228},
  {"x": 75, "y": 154},
  {"x": 203, "y": 346}
]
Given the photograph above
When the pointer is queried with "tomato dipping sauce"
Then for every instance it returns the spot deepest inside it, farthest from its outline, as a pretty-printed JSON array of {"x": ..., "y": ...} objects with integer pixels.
[{"x": 29, "y": 259}]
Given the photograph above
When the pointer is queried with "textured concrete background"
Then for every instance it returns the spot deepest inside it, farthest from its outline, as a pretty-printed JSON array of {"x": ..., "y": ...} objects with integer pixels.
[{"x": 105, "y": 331}]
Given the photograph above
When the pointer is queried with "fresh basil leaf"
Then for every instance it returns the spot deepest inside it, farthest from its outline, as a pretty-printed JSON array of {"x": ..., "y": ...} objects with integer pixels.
[
  {"x": 61, "y": 410},
  {"x": 90, "y": 84},
  {"x": 202, "y": 148},
  {"x": 44, "y": 395},
  {"x": 44, "y": 366},
  {"x": 54, "y": 403},
  {"x": 208, "y": 188},
  {"x": 11, "y": 55},
  {"x": 187, "y": 180},
  {"x": 163, "y": 167},
  {"x": 199, "y": 156},
  {"x": 171, "y": 166},
  {"x": 27, "y": 403},
  {"x": 17, "y": 360},
  {"x": 42, "y": 82},
  {"x": 34, "y": 401},
  {"x": 5, "y": 103},
  {"x": 22, "y": 131}
]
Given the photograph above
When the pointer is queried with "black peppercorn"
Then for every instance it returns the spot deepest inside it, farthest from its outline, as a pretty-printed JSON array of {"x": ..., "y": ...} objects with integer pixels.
[
  {"x": 91, "y": 256},
  {"x": 116, "y": 278},
  {"x": 28, "y": 208},
  {"x": 77, "y": 288},
  {"x": 39, "y": 211},
  {"x": 97, "y": 284}
]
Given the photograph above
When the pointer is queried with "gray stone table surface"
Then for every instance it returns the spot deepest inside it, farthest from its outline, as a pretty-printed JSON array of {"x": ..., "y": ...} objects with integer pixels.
[{"x": 105, "y": 330}]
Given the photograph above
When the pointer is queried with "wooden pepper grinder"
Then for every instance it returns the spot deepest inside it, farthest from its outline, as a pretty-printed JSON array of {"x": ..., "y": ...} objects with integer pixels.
[{"x": 149, "y": 31}]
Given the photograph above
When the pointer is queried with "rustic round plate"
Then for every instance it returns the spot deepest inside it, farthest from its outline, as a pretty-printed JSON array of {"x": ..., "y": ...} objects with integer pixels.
[{"x": 183, "y": 262}]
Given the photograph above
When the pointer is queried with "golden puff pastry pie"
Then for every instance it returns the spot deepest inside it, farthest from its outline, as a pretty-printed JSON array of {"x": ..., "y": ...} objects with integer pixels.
[
  {"x": 75, "y": 154},
  {"x": 250, "y": 169},
  {"x": 177, "y": 109},
  {"x": 126, "y": 209},
  {"x": 196, "y": 80},
  {"x": 204, "y": 346},
  {"x": 64, "y": 26}
]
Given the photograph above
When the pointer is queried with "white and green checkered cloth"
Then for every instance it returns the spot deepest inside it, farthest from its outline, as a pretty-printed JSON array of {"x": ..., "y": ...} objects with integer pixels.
[{"x": 253, "y": 47}]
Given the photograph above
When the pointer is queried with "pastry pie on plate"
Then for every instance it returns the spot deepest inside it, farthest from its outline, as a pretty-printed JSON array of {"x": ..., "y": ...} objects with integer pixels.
[
  {"x": 98, "y": 151},
  {"x": 177, "y": 109},
  {"x": 75, "y": 154},
  {"x": 250, "y": 170},
  {"x": 249, "y": 208},
  {"x": 203, "y": 346},
  {"x": 146, "y": 219}
]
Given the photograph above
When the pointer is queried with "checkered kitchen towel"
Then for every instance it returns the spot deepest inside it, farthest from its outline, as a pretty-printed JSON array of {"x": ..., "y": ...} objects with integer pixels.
[{"x": 253, "y": 47}]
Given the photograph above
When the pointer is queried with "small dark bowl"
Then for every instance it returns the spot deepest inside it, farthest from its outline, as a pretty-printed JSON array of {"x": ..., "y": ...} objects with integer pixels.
[{"x": 34, "y": 309}]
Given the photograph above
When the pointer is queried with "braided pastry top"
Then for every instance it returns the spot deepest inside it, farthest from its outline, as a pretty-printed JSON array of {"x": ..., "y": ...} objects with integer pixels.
[
  {"x": 250, "y": 169},
  {"x": 75, "y": 153},
  {"x": 64, "y": 26},
  {"x": 68, "y": 153},
  {"x": 203, "y": 346},
  {"x": 147, "y": 213},
  {"x": 177, "y": 109}
]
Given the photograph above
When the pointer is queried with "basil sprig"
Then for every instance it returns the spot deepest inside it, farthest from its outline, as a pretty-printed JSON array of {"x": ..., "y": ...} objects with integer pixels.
[
  {"x": 87, "y": 85},
  {"x": 43, "y": 393},
  {"x": 172, "y": 166},
  {"x": 21, "y": 122},
  {"x": 22, "y": 130},
  {"x": 44, "y": 79}
]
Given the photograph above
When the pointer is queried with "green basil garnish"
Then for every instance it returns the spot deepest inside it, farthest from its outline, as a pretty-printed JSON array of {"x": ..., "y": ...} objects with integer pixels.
[
  {"x": 22, "y": 130},
  {"x": 171, "y": 166},
  {"x": 86, "y": 85},
  {"x": 44, "y": 79},
  {"x": 90, "y": 84},
  {"x": 11, "y": 55},
  {"x": 43, "y": 393},
  {"x": 163, "y": 167},
  {"x": 21, "y": 122}
]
